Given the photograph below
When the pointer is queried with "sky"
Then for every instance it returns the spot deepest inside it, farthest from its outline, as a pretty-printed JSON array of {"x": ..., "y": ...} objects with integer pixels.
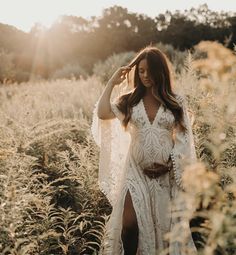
[{"x": 23, "y": 14}]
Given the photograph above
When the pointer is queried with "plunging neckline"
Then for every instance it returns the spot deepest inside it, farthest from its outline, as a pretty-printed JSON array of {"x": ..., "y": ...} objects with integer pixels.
[{"x": 146, "y": 115}]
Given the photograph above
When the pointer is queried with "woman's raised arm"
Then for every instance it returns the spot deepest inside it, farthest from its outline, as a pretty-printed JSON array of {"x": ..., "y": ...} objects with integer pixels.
[{"x": 104, "y": 106}]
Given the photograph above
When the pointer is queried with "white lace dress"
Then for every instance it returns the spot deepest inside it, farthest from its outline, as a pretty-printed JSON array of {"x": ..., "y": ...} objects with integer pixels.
[{"x": 123, "y": 155}]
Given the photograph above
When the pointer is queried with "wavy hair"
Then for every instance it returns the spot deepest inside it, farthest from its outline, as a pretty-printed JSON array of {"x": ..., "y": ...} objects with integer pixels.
[{"x": 159, "y": 69}]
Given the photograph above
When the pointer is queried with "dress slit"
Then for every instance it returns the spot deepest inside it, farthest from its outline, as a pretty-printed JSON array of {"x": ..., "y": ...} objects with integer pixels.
[{"x": 128, "y": 190}]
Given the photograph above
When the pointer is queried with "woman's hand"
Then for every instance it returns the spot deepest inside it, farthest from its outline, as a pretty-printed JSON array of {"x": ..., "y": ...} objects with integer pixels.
[
  {"x": 156, "y": 170},
  {"x": 119, "y": 76}
]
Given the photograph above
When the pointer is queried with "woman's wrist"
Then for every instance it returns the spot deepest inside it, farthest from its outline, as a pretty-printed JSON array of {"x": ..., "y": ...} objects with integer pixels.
[{"x": 111, "y": 84}]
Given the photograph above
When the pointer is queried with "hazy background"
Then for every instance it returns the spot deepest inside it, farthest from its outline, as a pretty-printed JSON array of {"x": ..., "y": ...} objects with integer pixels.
[
  {"x": 72, "y": 39},
  {"x": 52, "y": 74},
  {"x": 23, "y": 14}
]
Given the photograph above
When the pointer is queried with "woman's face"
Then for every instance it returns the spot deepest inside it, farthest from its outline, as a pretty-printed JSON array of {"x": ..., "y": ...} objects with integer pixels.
[{"x": 144, "y": 74}]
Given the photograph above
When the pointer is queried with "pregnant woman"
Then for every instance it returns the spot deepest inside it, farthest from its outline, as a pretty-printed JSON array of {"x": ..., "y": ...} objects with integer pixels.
[{"x": 145, "y": 140}]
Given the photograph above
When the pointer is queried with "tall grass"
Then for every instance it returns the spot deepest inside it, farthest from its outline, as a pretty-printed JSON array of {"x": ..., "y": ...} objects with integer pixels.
[
  {"x": 209, "y": 85},
  {"x": 50, "y": 202},
  {"x": 49, "y": 198}
]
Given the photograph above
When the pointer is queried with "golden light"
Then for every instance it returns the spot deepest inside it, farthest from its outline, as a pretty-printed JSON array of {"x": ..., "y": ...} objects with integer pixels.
[{"x": 46, "y": 21}]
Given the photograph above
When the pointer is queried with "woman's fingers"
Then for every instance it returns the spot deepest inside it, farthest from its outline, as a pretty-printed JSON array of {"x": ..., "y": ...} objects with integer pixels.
[
  {"x": 120, "y": 75},
  {"x": 156, "y": 170},
  {"x": 154, "y": 174},
  {"x": 125, "y": 69},
  {"x": 157, "y": 164}
]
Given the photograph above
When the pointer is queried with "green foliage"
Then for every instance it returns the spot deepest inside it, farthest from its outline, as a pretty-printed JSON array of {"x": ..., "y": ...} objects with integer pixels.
[
  {"x": 49, "y": 199},
  {"x": 70, "y": 71},
  {"x": 50, "y": 202},
  {"x": 22, "y": 76},
  {"x": 6, "y": 66},
  {"x": 41, "y": 52},
  {"x": 211, "y": 182},
  {"x": 105, "y": 69},
  {"x": 176, "y": 57}
]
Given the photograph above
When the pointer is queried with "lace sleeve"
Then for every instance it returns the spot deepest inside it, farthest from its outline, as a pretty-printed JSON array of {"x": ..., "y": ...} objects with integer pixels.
[
  {"x": 119, "y": 115},
  {"x": 114, "y": 142},
  {"x": 183, "y": 152}
]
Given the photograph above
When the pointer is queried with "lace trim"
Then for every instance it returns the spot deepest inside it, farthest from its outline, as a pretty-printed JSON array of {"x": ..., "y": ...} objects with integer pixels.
[
  {"x": 184, "y": 145},
  {"x": 176, "y": 175}
]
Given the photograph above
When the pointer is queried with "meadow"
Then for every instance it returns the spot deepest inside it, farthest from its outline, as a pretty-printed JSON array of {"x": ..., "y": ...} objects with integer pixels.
[{"x": 50, "y": 202}]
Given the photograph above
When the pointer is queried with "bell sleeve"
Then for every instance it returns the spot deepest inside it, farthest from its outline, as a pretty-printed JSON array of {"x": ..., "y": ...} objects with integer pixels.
[
  {"x": 183, "y": 152},
  {"x": 113, "y": 142}
]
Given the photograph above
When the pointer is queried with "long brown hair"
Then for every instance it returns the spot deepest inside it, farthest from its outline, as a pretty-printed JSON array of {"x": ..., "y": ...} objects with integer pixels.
[{"x": 159, "y": 68}]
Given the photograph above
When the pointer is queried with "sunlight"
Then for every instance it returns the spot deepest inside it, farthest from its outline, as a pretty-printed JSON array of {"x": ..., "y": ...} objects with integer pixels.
[
  {"x": 46, "y": 21},
  {"x": 28, "y": 12}
]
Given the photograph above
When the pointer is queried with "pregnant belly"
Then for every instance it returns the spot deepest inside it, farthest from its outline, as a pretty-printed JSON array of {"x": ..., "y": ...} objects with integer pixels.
[{"x": 152, "y": 147}]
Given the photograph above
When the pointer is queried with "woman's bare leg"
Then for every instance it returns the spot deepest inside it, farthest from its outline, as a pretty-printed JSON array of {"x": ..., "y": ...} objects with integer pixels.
[{"x": 129, "y": 233}]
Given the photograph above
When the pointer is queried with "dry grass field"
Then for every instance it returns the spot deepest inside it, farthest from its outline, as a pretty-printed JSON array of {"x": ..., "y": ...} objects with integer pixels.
[{"x": 50, "y": 202}]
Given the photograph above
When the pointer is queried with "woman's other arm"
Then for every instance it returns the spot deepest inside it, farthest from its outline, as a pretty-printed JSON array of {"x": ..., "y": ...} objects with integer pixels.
[{"x": 104, "y": 106}]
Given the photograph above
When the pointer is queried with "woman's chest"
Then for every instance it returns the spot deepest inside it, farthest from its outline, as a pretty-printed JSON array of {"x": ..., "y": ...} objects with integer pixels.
[{"x": 161, "y": 118}]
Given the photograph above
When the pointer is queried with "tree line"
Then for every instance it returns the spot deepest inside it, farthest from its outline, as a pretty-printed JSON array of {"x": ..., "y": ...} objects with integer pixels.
[{"x": 84, "y": 42}]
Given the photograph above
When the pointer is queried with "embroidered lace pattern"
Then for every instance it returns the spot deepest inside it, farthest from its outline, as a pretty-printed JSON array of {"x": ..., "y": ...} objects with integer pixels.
[{"x": 123, "y": 155}]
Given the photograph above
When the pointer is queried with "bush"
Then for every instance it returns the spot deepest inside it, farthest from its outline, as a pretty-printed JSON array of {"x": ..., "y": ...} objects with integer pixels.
[
  {"x": 6, "y": 66},
  {"x": 49, "y": 197},
  {"x": 70, "y": 71},
  {"x": 104, "y": 70}
]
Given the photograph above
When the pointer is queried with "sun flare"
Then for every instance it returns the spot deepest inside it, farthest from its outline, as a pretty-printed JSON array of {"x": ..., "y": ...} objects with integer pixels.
[
  {"x": 46, "y": 21},
  {"x": 25, "y": 13}
]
